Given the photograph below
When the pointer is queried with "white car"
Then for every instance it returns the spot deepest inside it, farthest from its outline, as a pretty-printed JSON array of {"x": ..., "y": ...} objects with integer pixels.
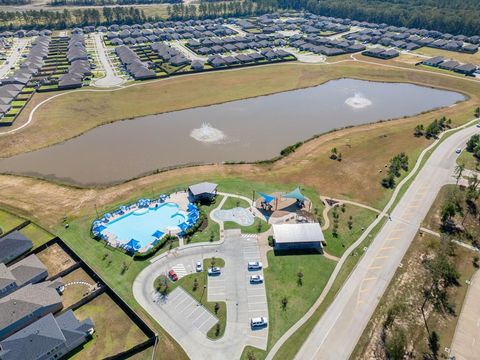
[
  {"x": 478, "y": 125},
  {"x": 214, "y": 271},
  {"x": 258, "y": 322},
  {"x": 458, "y": 151},
  {"x": 198, "y": 266},
  {"x": 254, "y": 265},
  {"x": 256, "y": 279}
]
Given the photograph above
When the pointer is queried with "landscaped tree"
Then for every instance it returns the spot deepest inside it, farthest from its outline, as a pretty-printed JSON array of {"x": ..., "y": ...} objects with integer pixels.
[
  {"x": 284, "y": 303},
  {"x": 216, "y": 307},
  {"x": 334, "y": 153},
  {"x": 434, "y": 344},
  {"x": 217, "y": 329},
  {"x": 350, "y": 222},
  {"x": 300, "y": 278},
  {"x": 213, "y": 261},
  {"x": 251, "y": 356},
  {"x": 418, "y": 131},
  {"x": 459, "y": 169},
  {"x": 195, "y": 285},
  {"x": 448, "y": 212}
]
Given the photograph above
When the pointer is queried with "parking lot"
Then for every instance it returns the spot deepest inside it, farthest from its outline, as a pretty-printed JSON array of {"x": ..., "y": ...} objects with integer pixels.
[
  {"x": 184, "y": 309},
  {"x": 243, "y": 300}
]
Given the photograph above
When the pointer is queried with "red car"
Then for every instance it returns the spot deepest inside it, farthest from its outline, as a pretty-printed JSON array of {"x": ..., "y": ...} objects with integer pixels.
[{"x": 172, "y": 275}]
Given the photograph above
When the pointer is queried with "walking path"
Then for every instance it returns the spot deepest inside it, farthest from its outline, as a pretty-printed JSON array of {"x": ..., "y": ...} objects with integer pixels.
[
  {"x": 466, "y": 341},
  {"x": 312, "y": 341},
  {"x": 337, "y": 332},
  {"x": 110, "y": 79}
]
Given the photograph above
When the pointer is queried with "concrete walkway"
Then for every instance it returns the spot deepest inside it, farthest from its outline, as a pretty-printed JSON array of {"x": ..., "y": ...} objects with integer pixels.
[
  {"x": 110, "y": 79},
  {"x": 466, "y": 341}
]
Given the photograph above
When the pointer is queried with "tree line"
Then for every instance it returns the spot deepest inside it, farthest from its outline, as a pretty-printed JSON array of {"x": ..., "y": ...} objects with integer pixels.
[
  {"x": 452, "y": 16},
  {"x": 107, "y": 2},
  {"x": 208, "y": 10},
  {"x": 37, "y": 19}
]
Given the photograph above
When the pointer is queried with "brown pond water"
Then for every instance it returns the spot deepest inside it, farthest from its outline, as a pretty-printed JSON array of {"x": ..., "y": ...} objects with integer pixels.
[{"x": 252, "y": 129}]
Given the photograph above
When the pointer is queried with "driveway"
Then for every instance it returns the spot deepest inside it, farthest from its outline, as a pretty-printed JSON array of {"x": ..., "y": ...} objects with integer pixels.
[
  {"x": 336, "y": 334},
  {"x": 466, "y": 341},
  {"x": 110, "y": 79},
  {"x": 243, "y": 300}
]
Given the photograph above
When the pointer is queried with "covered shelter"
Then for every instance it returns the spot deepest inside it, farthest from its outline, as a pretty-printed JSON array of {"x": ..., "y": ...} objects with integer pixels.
[
  {"x": 202, "y": 191},
  {"x": 298, "y": 237}
]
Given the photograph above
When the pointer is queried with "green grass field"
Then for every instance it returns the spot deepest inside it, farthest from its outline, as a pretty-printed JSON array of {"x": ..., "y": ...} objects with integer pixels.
[
  {"x": 38, "y": 235},
  {"x": 232, "y": 202},
  {"x": 114, "y": 331},
  {"x": 257, "y": 227},
  {"x": 361, "y": 219},
  {"x": 9, "y": 221},
  {"x": 212, "y": 231},
  {"x": 281, "y": 281},
  {"x": 469, "y": 160}
]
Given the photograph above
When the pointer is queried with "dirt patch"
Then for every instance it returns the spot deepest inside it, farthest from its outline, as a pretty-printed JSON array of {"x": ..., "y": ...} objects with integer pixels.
[{"x": 55, "y": 259}]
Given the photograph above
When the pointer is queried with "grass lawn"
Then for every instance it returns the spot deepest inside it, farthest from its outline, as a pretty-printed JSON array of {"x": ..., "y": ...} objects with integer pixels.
[
  {"x": 257, "y": 227},
  {"x": 219, "y": 262},
  {"x": 470, "y": 161},
  {"x": 281, "y": 280},
  {"x": 212, "y": 231},
  {"x": 361, "y": 219},
  {"x": 9, "y": 221},
  {"x": 114, "y": 331},
  {"x": 38, "y": 235},
  {"x": 232, "y": 202},
  {"x": 75, "y": 292}
]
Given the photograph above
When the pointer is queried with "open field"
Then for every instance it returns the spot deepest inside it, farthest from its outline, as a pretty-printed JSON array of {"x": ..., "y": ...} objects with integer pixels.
[
  {"x": 281, "y": 281},
  {"x": 406, "y": 289},
  {"x": 115, "y": 332},
  {"x": 361, "y": 219}
]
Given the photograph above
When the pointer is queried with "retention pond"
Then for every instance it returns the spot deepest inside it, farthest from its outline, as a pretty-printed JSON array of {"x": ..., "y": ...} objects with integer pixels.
[{"x": 244, "y": 130}]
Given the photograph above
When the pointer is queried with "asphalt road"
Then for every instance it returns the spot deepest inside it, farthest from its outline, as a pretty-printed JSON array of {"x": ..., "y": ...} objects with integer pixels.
[
  {"x": 336, "y": 334},
  {"x": 110, "y": 79},
  {"x": 14, "y": 56},
  {"x": 184, "y": 319},
  {"x": 466, "y": 341}
]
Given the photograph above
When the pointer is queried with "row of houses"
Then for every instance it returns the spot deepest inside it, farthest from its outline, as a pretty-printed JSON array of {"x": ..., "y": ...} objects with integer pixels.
[
  {"x": 452, "y": 65},
  {"x": 325, "y": 46},
  {"x": 268, "y": 55},
  {"x": 12, "y": 86},
  {"x": 379, "y": 53},
  {"x": 79, "y": 67},
  {"x": 25, "y": 33},
  {"x": 408, "y": 41},
  {"x": 28, "y": 328},
  {"x": 169, "y": 54},
  {"x": 133, "y": 65}
]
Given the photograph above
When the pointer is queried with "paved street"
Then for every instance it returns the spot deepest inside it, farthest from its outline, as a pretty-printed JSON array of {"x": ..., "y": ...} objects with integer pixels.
[
  {"x": 110, "y": 79},
  {"x": 186, "y": 320},
  {"x": 466, "y": 341},
  {"x": 336, "y": 334},
  {"x": 14, "y": 56}
]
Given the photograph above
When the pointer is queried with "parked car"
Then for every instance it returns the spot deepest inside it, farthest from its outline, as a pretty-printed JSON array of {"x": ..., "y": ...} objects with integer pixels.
[
  {"x": 214, "y": 271},
  {"x": 458, "y": 151},
  {"x": 478, "y": 125},
  {"x": 254, "y": 265},
  {"x": 256, "y": 279},
  {"x": 258, "y": 322},
  {"x": 199, "y": 266},
  {"x": 172, "y": 275}
]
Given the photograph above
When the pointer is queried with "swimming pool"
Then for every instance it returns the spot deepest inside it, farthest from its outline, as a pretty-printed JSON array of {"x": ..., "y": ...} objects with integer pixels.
[{"x": 145, "y": 224}]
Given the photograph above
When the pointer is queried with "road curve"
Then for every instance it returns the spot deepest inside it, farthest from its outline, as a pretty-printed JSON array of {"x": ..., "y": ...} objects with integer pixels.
[{"x": 336, "y": 334}]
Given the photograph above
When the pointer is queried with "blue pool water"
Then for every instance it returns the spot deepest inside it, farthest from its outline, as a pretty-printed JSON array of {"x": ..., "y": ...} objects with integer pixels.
[{"x": 143, "y": 223}]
